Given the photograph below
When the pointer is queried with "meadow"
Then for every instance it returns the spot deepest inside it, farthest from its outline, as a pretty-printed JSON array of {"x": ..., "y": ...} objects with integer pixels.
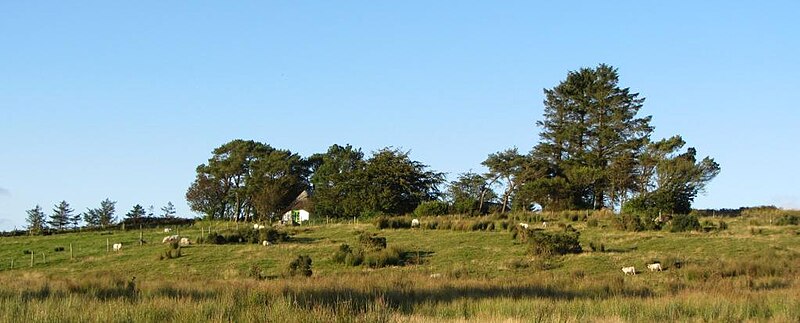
[{"x": 745, "y": 272}]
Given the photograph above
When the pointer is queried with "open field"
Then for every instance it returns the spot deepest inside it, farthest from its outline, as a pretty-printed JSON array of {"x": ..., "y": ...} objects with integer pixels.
[{"x": 746, "y": 272}]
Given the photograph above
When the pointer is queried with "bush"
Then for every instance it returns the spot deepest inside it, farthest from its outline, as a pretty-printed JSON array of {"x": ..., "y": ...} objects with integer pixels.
[
  {"x": 431, "y": 208},
  {"x": 371, "y": 241},
  {"x": 387, "y": 257},
  {"x": 547, "y": 244},
  {"x": 628, "y": 222},
  {"x": 385, "y": 222},
  {"x": 592, "y": 223},
  {"x": 685, "y": 222},
  {"x": 788, "y": 220},
  {"x": 300, "y": 266}
]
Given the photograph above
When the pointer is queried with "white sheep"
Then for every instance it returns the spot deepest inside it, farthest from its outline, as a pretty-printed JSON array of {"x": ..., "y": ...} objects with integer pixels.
[
  {"x": 258, "y": 227},
  {"x": 544, "y": 224},
  {"x": 654, "y": 266},
  {"x": 629, "y": 270},
  {"x": 167, "y": 230},
  {"x": 524, "y": 225},
  {"x": 265, "y": 243},
  {"x": 436, "y": 275},
  {"x": 117, "y": 246},
  {"x": 185, "y": 242},
  {"x": 414, "y": 223},
  {"x": 171, "y": 238}
]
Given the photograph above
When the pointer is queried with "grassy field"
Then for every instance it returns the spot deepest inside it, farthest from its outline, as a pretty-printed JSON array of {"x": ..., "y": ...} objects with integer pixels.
[{"x": 748, "y": 272}]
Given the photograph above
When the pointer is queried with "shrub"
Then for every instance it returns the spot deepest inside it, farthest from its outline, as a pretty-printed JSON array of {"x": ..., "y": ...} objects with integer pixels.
[
  {"x": 300, "y": 266},
  {"x": 431, "y": 208},
  {"x": 371, "y": 241},
  {"x": 788, "y": 220},
  {"x": 628, "y": 222},
  {"x": 685, "y": 222},
  {"x": 547, "y": 244},
  {"x": 385, "y": 222},
  {"x": 386, "y": 257},
  {"x": 255, "y": 272},
  {"x": 592, "y": 223}
]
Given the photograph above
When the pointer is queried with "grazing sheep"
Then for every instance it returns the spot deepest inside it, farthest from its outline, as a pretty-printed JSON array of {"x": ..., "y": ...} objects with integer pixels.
[
  {"x": 524, "y": 225},
  {"x": 117, "y": 247},
  {"x": 437, "y": 275},
  {"x": 629, "y": 270},
  {"x": 167, "y": 230},
  {"x": 258, "y": 227},
  {"x": 414, "y": 223},
  {"x": 171, "y": 238},
  {"x": 544, "y": 224},
  {"x": 265, "y": 243},
  {"x": 654, "y": 266},
  {"x": 185, "y": 242}
]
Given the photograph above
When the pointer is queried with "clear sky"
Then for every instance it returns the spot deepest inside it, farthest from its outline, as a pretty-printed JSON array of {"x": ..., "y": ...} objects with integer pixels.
[{"x": 122, "y": 100}]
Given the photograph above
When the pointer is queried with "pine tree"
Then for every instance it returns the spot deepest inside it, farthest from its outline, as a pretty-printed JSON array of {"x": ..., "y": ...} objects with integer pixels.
[
  {"x": 169, "y": 210},
  {"x": 135, "y": 214},
  {"x": 61, "y": 216},
  {"x": 589, "y": 132},
  {"x": 36, "y": 219},
  {"x": 105, "y": 213}
]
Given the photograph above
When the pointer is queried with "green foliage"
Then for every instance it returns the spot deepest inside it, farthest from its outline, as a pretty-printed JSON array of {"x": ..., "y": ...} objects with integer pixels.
[
  {"x": 135, "y": 214},
  {"x": 685, "y": 222},
  {"x": 392, "y": 222},
  {"x": 168, "y": 210},
  {"x": 371, "y": 241},
  {"x": 469, "y": 192},
  {"x": 788, "y": 219},
  {"x": 248, "y": 235},
  {"x": 395, "y": 184},
  {"x": 36, "y": 220},
  {"x": 102, "y": 216},
  {"x": 543, "y": 243},
  {"x": 628, "y": 222},
  {"x": 173, "y": 251},
  {"x": 391, "y": 256},
  {"x": 431, "y": 208},
  {"x": 247, "y": 180},
  {"x": 338, "y": 182},
  {"x": 61, "y": 217},
  {"x": 300, "y": 266}
]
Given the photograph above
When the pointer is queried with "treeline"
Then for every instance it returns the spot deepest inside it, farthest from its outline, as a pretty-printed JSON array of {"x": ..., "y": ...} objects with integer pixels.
[
  {"x": 594, "y": 152},
  {"x": 63, "y": 218}
]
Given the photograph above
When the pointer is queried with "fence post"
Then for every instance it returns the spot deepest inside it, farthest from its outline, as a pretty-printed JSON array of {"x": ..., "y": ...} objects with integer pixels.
[
  {"x": 106, "y": 244},
  {"x": 71, "y": 255},
  {"x": 141, "y": 238},
  {"x": 32, "y": 253},
  {"x": 44, "y": 258}
]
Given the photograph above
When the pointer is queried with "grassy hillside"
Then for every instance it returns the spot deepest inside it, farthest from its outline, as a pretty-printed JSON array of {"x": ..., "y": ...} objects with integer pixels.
[{"x": 746, "y": 272}]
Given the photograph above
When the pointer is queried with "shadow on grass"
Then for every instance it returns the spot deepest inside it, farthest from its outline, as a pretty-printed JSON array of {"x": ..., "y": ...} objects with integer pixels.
[{"x": 405, "y": 300}]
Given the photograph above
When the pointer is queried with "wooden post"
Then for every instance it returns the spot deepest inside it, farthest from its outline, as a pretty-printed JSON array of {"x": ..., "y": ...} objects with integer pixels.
[
  {"x": 141, "y": 238},
  {"x": 44, "y": 258},
  {"x": 32, "y": 252},
  {"x": 107, "y": 245},
  {"x": 71, "y": 255}
]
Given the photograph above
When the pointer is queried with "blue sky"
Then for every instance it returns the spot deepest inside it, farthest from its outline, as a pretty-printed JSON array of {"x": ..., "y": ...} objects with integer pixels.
[{"x": 123, "y": 100}]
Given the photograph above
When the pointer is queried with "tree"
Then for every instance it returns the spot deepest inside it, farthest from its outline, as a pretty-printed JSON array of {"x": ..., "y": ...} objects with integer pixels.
[
  {"x": 505, "y": 165},
  {"x": 169, "y": 210},
  {"x": 245, "y": 180},
  {"x": 36, "y": 220},
  {"x": 61, "y": 217},
  {"x": 395, "y": 184},
  {"x": 337, "y": 181},
  {"x": 135, "y": 214},
  {"x": 468, "y": 192},
  {"x": 670, "y": 180},
  {"x": 102, "y": 216},
  {"x": 151, "y": 211}
]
